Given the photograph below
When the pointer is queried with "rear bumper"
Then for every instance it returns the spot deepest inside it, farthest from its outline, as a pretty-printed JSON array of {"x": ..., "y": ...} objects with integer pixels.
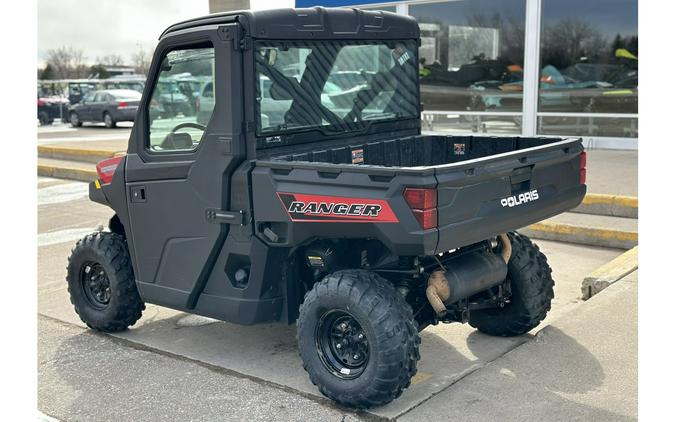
[{"x": 125, "y": 114}]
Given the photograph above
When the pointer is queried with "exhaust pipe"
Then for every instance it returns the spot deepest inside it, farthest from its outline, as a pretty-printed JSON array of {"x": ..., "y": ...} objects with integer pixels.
[{"x": 471, "y": 274}]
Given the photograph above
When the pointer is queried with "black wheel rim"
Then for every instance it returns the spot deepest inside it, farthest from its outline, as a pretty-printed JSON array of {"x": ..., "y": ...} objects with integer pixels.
[
  {"x": 342, "y": 344},
  {"x": 95, "y": 284}
]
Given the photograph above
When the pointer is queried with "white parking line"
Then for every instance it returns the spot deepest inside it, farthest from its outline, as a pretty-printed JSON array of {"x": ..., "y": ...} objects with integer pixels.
[
  {"x": 65, "y": 192},
  {"x": 62, "y": 236}
]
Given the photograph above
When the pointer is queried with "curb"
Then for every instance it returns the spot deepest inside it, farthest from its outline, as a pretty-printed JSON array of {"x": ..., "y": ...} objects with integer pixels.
[
  {"x": 76, "y": 154},
  {"x": 582, "y": 235},
  {"x": 71, "y": 173},
  {"x": 609, "y": 273},
  {"x": 611, "y": 205}
]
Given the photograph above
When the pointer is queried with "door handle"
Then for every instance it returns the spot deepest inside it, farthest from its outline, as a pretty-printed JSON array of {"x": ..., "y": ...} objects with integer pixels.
[{"x": 137, "y": 194}]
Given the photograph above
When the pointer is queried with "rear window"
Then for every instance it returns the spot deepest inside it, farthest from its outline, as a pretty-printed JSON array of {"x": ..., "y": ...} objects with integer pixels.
[{"x": 126, "y": 94}]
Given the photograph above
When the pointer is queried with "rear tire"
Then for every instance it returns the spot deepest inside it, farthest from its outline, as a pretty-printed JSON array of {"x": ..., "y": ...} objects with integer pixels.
[
  {"x": 531, "y": 293},
  {"x": 108, "y": 120},
  {"x": 364, "y": 312},
  {"x": 101, "y": 283},
  {"x": 75, "y": 120}
]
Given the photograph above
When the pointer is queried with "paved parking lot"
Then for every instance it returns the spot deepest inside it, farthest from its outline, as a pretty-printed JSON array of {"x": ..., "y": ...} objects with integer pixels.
[{"x": 169, "y": 357}]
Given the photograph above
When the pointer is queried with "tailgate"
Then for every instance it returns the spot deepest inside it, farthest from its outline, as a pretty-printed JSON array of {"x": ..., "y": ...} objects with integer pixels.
[{"x": 481, "y": 198}]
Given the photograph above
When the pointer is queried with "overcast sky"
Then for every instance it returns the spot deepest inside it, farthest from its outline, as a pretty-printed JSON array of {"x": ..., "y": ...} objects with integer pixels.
[{"x": 105, "y": 27}]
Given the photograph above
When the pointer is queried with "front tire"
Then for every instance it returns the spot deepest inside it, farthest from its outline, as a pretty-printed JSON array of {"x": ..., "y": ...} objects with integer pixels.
[
  {"x": 531, "y": 293},
  {"x": 358, "y": 339},
  {"x": 101, "y": 283}
]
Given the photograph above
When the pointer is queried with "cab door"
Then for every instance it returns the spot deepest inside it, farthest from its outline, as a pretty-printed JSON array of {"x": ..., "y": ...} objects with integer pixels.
[{"x": 177, "y": 176}]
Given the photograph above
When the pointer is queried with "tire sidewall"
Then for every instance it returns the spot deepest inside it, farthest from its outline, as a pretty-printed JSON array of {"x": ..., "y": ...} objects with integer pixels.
[
  {"x": 75, "y": 119},
  {"x": 309, "y": 348},
  {"x": 108, "y": 120},
  {"x": 80, "y": 256}
]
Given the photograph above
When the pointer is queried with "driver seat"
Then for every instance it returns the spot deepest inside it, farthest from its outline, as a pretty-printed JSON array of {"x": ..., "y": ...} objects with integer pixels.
[{"x": 180, "y": 140}]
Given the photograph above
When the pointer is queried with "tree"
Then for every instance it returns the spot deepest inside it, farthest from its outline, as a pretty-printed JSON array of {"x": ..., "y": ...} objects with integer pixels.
[
  {"x": 111, "y": 60},
  {"x": 98, "y": 71},
  {"x": 141, "y": 60},
  {"x": 66, "y": 62},
  {"x": 570, "y": 40},
  {"x": 46, "y": 73}
]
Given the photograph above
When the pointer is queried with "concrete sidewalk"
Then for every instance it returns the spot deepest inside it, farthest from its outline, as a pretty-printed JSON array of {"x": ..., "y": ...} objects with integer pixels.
[
  {"x": 581, "y": 367},
  {"x": 612, "y": 172}
]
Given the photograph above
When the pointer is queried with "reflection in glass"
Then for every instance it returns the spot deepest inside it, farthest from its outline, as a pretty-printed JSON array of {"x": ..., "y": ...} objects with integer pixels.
[
  {"x": 619, "y": 127},
  {"x": 182, "y": 100},
  {"x": 589, "y": 56},
  {"x": 471, "y": 55},
  {"x": 479, "y": 124}
]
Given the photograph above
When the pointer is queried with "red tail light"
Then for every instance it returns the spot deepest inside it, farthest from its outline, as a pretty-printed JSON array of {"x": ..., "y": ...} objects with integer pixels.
[
  {"x": 106, "y": 169},
  {"x": 582, "y": 172},
  {"x": 419, "y": 198},
  {"x": 423, "y": 202},
  {"x": 122, "y": 104},
  {"x": 41, "y": 103}
]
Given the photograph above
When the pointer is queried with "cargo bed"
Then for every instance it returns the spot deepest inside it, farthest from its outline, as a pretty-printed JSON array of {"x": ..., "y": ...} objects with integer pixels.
[{"x": 485, "y": 186}]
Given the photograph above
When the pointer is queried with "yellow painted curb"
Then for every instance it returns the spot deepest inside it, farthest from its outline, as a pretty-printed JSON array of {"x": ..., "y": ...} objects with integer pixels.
[
  {"x": 582, "y": 235},
  {"x": 77, "y": 154},
  {"x": 603, "y": 199},
  {"x": 45, "y": 149},
  {"x": 72, "y": 173},
  {"x": 609, "y": 273},
  {"x": 611, "y": 205}
]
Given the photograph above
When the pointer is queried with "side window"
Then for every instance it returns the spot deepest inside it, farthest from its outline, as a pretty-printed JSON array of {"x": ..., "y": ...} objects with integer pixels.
[
  {"x": 89, "y": 97},
  {"x": 177, "y": 115},
  {"x": 99, "y": 98}
]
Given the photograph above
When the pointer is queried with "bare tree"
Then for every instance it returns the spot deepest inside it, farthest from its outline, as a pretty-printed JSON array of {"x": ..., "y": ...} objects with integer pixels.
[
  {"x": 66, "y": 62},
  {"x": 111, "y": 60},
  {"x": 141, "y": 60},
  {"x": 569, "y": 40}
]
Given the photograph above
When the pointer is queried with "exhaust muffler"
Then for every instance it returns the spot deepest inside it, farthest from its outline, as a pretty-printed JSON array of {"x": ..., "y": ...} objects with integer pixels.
[{"x": 467, "y": 275}]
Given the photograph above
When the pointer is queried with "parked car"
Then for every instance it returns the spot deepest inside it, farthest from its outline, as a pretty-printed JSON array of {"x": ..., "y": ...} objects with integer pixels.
[
  {"x": 107, "y": 106},
  {"x": 205, "y": 104},
  {"x": 51, "y": 108}
]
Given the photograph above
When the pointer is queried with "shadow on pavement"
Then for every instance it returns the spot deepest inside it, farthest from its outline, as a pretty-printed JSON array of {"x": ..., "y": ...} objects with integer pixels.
[{"x": 552, "y": 378}]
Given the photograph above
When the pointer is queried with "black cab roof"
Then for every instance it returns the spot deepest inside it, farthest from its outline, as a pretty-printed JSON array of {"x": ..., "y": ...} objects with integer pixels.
[{"x": 311, "y": 23}]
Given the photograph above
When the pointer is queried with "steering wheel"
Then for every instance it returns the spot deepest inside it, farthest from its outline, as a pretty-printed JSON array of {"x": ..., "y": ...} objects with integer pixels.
[
  {"x": 188, "y": 124},
  {"x": 174, "y": 140}
]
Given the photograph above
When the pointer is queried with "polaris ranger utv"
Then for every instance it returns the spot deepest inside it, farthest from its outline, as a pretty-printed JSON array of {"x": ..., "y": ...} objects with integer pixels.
[{"x": 310, "y": 196}]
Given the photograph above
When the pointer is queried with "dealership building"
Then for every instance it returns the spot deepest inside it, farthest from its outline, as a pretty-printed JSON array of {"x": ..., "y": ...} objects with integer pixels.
[{"x": 520, "y": 67}]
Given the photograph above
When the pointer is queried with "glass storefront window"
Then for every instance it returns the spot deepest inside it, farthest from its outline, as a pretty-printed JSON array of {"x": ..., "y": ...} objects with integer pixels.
[
  {"x": 589, "y": 57},
  {"x": 578, "y": 125},
  {"x": 471, "y": 57},
  {"x": 478, "y": 124}
]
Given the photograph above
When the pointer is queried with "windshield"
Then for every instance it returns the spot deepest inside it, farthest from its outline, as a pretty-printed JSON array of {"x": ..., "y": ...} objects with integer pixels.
[{"x": 336, "y": 86}]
